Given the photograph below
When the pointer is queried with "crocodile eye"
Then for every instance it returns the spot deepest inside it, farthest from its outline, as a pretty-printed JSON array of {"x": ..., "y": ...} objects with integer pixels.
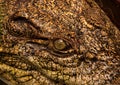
[
  {"x": 60, "y": 44},
  {"x": 60, "y": 47}
]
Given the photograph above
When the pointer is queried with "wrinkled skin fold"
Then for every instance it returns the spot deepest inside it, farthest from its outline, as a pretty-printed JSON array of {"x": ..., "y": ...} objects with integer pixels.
[{"x": 58, "y": 42}]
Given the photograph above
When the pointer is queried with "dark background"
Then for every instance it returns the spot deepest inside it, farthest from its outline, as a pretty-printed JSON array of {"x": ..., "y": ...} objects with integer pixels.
[
  {"x": 2, "y": 83},
  {"x": 112, "y": 9}
]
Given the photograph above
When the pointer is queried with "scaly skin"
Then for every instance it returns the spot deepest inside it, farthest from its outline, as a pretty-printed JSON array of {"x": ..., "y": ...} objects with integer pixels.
[{"x": 58, "y": 42}]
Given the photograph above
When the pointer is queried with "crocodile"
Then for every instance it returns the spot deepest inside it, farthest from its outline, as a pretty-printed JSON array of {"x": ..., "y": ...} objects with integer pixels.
[{"x": 57, "y": 42}]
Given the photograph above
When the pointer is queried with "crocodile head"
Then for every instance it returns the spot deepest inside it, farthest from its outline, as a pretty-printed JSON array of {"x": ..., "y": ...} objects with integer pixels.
[{"x": 58, "y": 42}]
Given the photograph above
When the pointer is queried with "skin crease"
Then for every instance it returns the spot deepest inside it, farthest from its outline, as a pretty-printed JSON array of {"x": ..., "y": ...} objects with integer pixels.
[{"x": 34, "y": 29}]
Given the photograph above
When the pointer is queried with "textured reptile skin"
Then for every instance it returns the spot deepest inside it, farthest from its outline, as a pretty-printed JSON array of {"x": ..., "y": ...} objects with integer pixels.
[{"x": 58, "y": 42}]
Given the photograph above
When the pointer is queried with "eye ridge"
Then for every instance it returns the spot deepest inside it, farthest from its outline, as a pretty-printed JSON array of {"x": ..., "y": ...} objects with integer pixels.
[
  {"x": 24, "y": 20},
  {"x": 20, "y": 29}
]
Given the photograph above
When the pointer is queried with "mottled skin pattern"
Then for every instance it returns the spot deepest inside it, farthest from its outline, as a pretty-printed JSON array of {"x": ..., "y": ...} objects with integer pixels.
[{"x": 58, "y": 42}]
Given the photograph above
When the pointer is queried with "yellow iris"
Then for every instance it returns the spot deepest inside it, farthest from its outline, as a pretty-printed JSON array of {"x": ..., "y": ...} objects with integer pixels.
[{"x": 60, "y": 44}]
